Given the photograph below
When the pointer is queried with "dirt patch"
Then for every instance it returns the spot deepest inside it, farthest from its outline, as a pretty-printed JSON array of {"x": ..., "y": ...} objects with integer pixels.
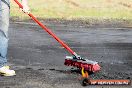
[
  {"x": 104, "y": 23},
  {"x": 72, "y": 3},
  {"x": 125, "y": 4}
]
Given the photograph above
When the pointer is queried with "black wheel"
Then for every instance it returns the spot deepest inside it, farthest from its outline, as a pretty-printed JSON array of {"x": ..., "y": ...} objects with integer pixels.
[{"x": 85, "y": 81}]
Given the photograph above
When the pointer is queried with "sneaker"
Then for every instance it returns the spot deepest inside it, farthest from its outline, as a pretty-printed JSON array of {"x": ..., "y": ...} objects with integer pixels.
[{"x": 5, "y": 71}]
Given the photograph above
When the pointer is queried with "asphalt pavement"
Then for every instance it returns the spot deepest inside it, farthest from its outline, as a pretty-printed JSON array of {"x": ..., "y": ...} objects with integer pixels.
[{"x": 39, "y": 60}]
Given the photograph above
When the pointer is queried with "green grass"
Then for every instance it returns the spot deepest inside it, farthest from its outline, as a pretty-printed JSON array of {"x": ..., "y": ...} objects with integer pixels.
[{"x": 76, "y": 9}]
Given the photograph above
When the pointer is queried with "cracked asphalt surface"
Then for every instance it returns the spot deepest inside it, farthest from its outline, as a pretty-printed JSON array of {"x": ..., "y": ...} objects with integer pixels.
[{"x": 39, "y": 60}]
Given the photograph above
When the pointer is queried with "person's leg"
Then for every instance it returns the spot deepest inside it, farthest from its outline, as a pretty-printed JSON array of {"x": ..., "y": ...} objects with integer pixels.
[{"x": 4, "y": 24}]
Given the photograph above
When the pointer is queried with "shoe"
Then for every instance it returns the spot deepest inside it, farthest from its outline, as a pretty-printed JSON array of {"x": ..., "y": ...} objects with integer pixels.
[
  {"x": 5, "y": 71},
  {"x": 7, "y": 67}
]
